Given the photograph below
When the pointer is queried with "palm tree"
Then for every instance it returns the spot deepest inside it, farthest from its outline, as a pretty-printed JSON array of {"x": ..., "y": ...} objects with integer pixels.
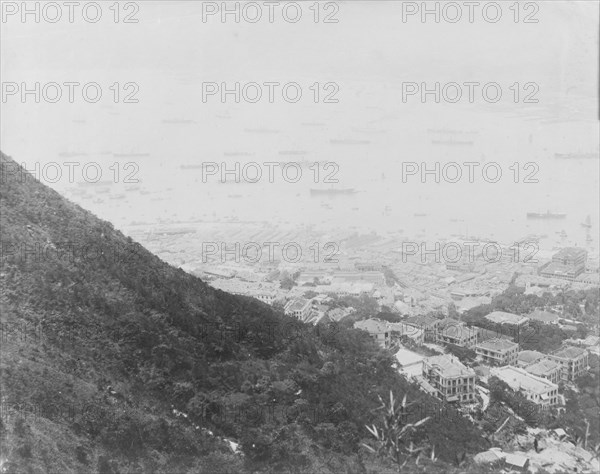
[{"x": 392, "y": 438}]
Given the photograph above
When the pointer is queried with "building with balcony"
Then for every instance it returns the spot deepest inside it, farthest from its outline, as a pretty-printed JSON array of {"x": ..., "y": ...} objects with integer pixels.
[
  {"x": 299, "y": 308},
  {"x": 452, "y": 380},
  {"x": 573, "y": 256},
  {"x": 452, "y": 331},
  {"x": 266, "y": 297},
  {"x": 536, "y": 389},
  {"x": 497, "y": 351},
  {"x": 573, "y": 362},
  {"x": 567, "y": 264}
]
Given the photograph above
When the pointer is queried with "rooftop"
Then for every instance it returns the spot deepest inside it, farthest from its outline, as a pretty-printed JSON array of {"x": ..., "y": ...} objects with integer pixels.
[
  {"x": 559, "y": 270},
  {"x": 542, "y": 367},
  {"x": 297, "y": 304},
  {"x": 570, "y": 352},
  {"x": 449, "y": 322},
  {"x": 503, "y": 317},
  {"x": 529, "y": 357},
  {"x": 421, "y": 320},
  {"x": 570, "y": 253},
  {"x": 519, "y": 379},
  {"x": 450, "y": 366},
  {"x": 372, "y": 326},
  {"x": 497, "y": 344}
]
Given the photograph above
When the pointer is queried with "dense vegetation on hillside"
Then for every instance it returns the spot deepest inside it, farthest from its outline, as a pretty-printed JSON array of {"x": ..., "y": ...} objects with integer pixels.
[{"x": 113, "y": 361}]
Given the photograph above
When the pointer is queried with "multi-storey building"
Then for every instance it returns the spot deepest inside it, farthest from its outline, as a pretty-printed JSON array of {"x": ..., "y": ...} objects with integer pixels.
[
  {"x": 508, "y": 319},
  {"x": 573, "y": 362},
  {"x": 453, "y": 381},
  {"x": 567, "y": 264},
  {"x": 547, "y": 369},
  {"x": 572, "y": 256},
  {"x": 299, "y": 308},
  {"x": 497, "y": 351},
  {"x": 384, "y": 333},
  {"x": 427, "y": 324},
  {"x": 536, "y": 389},
  {"x": 525, "y": 358},
  {"x": 377, "y": 329},
  {"x": 266, "y": 297},
  {"x": 403, "y": 329},
  {"x": 451, "y": 331}
]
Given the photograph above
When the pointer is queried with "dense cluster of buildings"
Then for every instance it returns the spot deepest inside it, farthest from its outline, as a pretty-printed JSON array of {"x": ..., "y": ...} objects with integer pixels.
[{"x": 533, "y": 373}]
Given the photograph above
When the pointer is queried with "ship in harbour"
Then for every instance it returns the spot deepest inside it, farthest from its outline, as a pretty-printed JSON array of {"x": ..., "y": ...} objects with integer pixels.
[
  {"x": 349, "y": 141},
  {"x": 546, "y": 215},
  {"x": 587, "y": 223},
  {"x": 452, "y": 142}
]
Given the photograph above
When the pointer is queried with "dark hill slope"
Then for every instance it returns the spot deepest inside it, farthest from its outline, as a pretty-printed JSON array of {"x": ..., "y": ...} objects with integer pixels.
[{"x": 114, "y": 361}]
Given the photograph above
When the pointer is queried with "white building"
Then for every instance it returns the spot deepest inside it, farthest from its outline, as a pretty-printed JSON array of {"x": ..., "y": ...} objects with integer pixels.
[
  {"x": 536, "y": 389},
  {"x": 299, "y": 308}
]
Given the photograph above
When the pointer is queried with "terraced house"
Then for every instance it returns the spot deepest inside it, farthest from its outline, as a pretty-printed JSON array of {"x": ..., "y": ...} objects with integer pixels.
[
  {"x": 573, "y": 362},
  {"x": 453, "y": 381},
  {"x": 498, "y": 351}
]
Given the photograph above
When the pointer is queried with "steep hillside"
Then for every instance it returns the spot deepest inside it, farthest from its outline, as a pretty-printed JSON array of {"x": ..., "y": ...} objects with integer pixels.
[{"x": 114, "y": 361}]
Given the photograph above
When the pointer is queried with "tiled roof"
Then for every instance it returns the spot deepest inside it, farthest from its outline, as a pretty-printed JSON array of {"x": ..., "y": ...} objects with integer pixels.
[
  {"x": 450, "y": 366},
  {"x": 372, "y": 326},
  {"x": 570, "y": 252},
  {"x": 542, "y": 367},
  {"x": 570, "y": 352},
  {"x": 504, "y": 317},
  {"x": 421, "y": 320},
  {"x": 497, "y": 344},
  {"x": 529, "y": 356},
  {"x": 297, "y": 304}
]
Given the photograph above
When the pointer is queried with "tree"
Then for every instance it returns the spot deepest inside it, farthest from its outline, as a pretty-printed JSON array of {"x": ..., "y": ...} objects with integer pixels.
[{"x": 392, "y": 438}]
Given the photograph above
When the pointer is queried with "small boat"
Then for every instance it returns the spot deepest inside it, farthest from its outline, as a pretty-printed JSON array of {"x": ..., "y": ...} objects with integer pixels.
[
  {"x": 546, "y": 215},
  {"x": 587, "y": 223},
  {"x": 349, "y": 141},
  {"x": 452, "y": 142}
]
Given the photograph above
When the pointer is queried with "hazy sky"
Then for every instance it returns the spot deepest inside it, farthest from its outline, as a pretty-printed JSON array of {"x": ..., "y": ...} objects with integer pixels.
[{"x": 164, "y": 58}]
